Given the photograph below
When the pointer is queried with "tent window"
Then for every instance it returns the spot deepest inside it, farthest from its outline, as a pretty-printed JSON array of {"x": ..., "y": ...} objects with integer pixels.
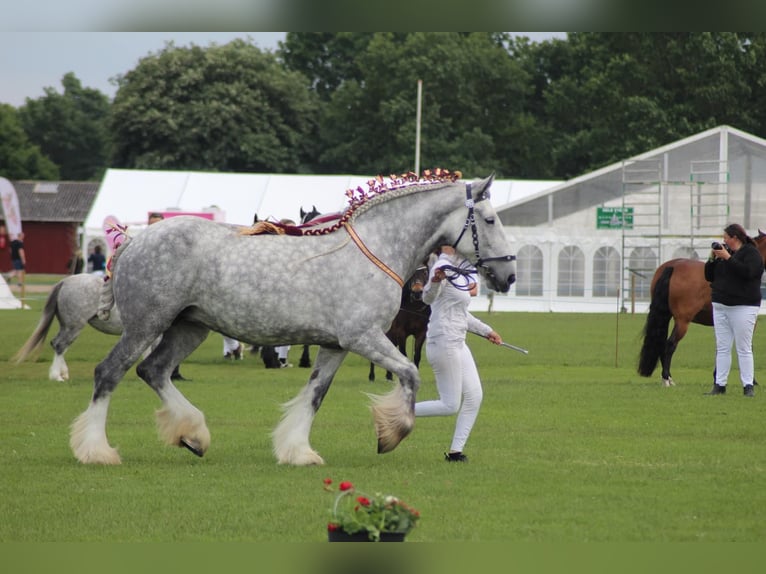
[
  {"x": 606, "y": 272},
  {"x": 529, "y": 271},
  {"x": 643, "y": 262},
  {"x": 571, "y": 272}
]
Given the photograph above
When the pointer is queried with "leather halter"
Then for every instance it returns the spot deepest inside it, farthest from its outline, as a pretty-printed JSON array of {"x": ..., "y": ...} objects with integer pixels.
[
  {"x": 371, "y": 256},
  {"x": 470, "y": 220}
]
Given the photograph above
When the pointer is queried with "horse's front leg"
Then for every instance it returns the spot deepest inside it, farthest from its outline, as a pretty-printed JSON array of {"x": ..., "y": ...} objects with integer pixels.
[
  {"x": 394, "y": 412},
  {"x": 291, "y": 436}
]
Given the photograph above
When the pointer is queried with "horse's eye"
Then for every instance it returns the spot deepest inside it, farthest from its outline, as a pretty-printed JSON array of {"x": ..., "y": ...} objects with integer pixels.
[{"x": 489, "y": 220}]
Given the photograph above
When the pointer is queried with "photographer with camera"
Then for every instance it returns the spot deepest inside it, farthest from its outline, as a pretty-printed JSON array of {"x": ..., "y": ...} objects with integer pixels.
[{"x": 734, "y": 271}]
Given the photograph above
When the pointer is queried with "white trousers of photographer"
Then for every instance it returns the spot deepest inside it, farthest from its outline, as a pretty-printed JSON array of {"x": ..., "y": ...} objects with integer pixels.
[{"x": 734, "y": 324}]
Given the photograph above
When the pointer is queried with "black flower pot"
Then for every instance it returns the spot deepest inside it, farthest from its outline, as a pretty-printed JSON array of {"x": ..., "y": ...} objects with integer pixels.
[{"x": 341, "y": 536}]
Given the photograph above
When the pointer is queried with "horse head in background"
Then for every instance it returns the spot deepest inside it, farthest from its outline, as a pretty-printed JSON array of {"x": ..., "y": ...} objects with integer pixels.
[
  {"x": 384, "y": 234},
  {"x": 679, "y": 291}
]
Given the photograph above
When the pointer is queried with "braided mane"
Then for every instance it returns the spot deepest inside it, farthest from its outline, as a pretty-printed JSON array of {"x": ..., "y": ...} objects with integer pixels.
[{"x": 360, "y": 200}]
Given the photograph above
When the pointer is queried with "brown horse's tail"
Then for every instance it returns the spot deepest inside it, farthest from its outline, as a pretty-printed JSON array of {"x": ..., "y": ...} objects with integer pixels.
[
  {"x": 656, "y": 327},
  {"x": 37, "y": 338}
]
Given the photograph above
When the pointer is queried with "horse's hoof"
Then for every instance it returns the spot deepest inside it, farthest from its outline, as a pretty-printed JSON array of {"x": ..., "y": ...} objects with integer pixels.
[{"x": 195, "y": 448}]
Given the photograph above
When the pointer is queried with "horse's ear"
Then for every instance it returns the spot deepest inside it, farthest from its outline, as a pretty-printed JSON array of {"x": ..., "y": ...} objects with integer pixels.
[
  {"x": 760, "y": 233},
  {"x": 484, "y": 185}
]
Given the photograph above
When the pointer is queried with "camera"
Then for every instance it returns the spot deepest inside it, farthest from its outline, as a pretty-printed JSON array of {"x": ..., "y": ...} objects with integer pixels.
[{"x": 716, "y": 245}]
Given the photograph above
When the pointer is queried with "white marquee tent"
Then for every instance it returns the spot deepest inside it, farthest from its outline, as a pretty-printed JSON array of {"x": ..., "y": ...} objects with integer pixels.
[{"x": 235, "y": 198}]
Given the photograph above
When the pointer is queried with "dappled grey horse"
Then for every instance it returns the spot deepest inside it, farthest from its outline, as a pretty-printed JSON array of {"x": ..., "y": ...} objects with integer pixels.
[
  {"x": 74, "y": 302},
  {"x": 185, "y": 276}
]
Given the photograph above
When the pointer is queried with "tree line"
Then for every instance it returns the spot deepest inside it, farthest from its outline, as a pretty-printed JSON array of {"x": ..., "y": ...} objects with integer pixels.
[{"x": 332, "y": 102}]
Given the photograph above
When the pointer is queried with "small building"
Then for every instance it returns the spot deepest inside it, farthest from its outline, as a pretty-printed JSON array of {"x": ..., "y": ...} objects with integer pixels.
[{"x": 52, "y": 214}]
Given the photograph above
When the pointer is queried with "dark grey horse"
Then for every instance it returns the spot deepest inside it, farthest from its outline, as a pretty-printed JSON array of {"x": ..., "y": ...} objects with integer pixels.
[{"x": 185, "y": 276}]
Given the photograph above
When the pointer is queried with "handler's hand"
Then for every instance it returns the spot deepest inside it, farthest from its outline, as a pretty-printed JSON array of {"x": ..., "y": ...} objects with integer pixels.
[
  {"x": 495, "y": 338},
  {"x": 438, "y": 275}
]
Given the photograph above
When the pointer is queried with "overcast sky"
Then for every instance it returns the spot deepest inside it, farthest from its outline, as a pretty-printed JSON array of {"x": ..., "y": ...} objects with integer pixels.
[{"x": 32, "y": 61}]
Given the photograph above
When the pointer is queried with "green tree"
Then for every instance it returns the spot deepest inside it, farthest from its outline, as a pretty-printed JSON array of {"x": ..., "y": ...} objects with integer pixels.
[
  {"x": 327, "y": 58},
  {"x": 614, "y": 95},
  {"x": 474, "y": 95},
  {"x": 71, "y": 128},
  {"x": 20, "y": 158},
  {"x": 220, "y": 108}
]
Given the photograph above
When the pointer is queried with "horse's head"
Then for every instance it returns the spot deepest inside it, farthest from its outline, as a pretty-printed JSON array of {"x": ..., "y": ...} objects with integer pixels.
[
  {"x": 417, "y": 282},
  {"x": 482, "y": 240},
  {"x": 760, "y": 242},
  {"x": 307, "y": 216}
]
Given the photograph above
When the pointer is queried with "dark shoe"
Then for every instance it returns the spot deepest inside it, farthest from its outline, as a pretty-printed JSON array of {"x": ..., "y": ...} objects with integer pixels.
[
  {"x": 748, "y": 391},
  {"x": 716, "y": 390},
  {"x": 455, "y": 457}
]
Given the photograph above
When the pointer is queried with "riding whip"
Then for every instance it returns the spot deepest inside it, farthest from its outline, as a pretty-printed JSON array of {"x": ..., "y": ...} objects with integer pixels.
[{"x": 515, "y": 348}]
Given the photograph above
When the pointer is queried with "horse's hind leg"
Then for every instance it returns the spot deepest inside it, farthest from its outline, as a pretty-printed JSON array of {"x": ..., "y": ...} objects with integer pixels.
[
  {"x": 291, "y": 436},
  {"x": 88, "y": 432},
  {"x": 678, "y": 333},
  {"x": 179, "y": 422},
  {"x": 59, "y": 371}
]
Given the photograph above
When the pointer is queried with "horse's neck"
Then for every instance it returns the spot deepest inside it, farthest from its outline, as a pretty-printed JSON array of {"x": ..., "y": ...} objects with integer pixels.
[{"x": 402, "y": 231}]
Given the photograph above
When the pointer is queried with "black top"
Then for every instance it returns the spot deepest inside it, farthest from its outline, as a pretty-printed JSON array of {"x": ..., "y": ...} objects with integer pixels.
[
  {"x": 16, "y": 246},
  {"x": 98, "y": 260},
  {"x": 737, "y": 280}
]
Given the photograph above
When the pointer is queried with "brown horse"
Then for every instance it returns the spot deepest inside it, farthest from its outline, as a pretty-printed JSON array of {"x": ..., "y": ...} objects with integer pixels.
[
  {"x": 679, "y": 291},
  {"x": 411, "y": 320}
]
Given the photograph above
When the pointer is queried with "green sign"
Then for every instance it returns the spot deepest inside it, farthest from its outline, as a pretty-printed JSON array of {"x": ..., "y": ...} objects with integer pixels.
[{"x": 614, "y": 218}]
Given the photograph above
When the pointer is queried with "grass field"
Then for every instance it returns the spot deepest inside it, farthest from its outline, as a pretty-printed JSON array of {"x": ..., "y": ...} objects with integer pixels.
[{"x": 571, "y": 445}]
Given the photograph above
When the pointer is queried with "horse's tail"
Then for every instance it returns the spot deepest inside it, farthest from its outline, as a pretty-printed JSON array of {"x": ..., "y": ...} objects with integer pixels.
[
  {"x": 106, "y": 297},
  {"x": 37, "y": 338},
  {"x": 656, "y": 327}
]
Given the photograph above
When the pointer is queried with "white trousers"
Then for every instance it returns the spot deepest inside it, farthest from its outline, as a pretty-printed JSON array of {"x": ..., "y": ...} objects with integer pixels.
[
  {"x": 282, "y": 351},
  {"x": 459, "y": 387},
  {"x": 734, "y": 324},
  {"x": 229, "y": 345}
]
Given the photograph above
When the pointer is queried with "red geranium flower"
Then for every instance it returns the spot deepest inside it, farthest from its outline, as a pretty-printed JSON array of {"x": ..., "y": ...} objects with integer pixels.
[{"x": 345, "y": 485}]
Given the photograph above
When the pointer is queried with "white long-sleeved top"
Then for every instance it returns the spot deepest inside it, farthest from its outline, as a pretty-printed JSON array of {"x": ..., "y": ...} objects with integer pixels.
[{"x": 450, "y": 319}]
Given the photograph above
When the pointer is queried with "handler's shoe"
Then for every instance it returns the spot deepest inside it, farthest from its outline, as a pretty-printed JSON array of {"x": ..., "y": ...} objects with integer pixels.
[
  {"x": 748, "y": 391},
  {"x": 455, "y": 457},
  {"x": 716, "y": 390}
]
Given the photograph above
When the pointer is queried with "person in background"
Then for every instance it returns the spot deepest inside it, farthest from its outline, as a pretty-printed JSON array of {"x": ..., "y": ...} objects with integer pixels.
[
  {"x": 153, "y": 218},
  {"x": 457, "y": 379},
  {"x": 18, "y": 259},
  {"x": 734, "y": 271},
  {"x": 97, "y": 261},
  {"x": 76, "y": 263},
  {"x": 282, "y": 351},
  {"x": 232, "y": 349}
]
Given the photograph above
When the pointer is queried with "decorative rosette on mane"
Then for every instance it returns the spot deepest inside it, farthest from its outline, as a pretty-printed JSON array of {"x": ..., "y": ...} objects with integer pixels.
[{"x": 358, "y": 197}]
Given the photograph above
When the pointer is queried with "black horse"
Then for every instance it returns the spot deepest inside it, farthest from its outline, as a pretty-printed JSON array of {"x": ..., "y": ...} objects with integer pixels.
[{"x": 411, "y": 320}]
